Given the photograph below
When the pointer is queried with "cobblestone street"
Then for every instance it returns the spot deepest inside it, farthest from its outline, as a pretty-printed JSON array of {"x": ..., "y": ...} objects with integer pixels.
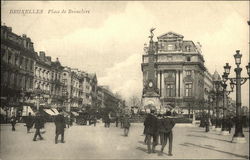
[{"x": 89, "y": 142}]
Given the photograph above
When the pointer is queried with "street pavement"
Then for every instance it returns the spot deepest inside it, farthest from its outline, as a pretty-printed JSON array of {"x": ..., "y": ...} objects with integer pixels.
[{"x": 89, "y": 142}]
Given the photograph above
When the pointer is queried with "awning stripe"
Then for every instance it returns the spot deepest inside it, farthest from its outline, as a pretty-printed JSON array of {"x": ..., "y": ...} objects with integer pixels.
[{"x": 49, "y": 112}]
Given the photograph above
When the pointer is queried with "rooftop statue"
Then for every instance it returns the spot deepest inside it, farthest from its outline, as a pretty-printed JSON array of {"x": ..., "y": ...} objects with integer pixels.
[{"x": 152, "y": 34}]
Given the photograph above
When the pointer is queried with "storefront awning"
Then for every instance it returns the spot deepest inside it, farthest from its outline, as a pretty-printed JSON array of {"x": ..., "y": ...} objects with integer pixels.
[
  {"x": 55, "y": 111},
  {"x": 2, "y": 112},
  {"x": 27, "y": 110},
  {"x": 75, "y": 113},
  {"x": 50, "y": 112}
]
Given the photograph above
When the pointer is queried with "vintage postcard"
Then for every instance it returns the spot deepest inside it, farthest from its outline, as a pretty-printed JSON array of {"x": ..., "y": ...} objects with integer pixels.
[{"x": 124, "y": 80}]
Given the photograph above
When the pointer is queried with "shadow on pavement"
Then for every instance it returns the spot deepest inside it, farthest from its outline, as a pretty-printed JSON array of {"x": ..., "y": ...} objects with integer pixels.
[
  {"x": 191, "y": 135},
  {"x": 198, "y": 131},
  {"x": 142, "y": 149},
  {"x": 141, "y": 142},
  {"x": 200, "y": 146},
  {"x": 156, "y": 152}
]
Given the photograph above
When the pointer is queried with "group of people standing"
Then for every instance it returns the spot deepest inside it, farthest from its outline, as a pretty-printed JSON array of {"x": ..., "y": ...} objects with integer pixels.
[
  {"x": 123, "y": 119},
  {"x": 156, "y": 126}
]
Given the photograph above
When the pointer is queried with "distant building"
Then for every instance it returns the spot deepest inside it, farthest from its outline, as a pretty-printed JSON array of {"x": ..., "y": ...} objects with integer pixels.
[
  {"x": 108, "y": 100},
  {"x": 80, "y": 88},
  {"x": 48, "y": 81},
  {"x": 71, "y": 89},
  {"x": 42, "y": 78},
  {"x": 179, "y": 71},
  {"x": 57, "y": 84},
  {"x": 208, "y": 89}
]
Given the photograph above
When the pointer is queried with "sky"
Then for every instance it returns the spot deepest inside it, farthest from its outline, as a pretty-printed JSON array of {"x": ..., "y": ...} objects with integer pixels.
[{"x": 107, "y": 38}]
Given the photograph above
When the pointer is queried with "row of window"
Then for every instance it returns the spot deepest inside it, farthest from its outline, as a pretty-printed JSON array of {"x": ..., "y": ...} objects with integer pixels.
[
  {"x": 15, "y": 80},
  {"x": 171, "y": 47},
  {"x": 42, "y": 73},
  {"x": 170, "y": 90},
  {"x": 169, "y": 58},
  {"x": 16, "y": 60}
]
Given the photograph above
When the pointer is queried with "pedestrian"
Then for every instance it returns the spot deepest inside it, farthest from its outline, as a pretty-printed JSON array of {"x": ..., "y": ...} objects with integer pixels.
[
  {"x": 29, "y": 122},
  {"x": 68, "y": 121},
  {"x": 60, "y": 125},
  {"x": 206, "y": 123},
  {"x": 94, "y": 119},
  {"x": 126, "y": 125},
  {"x": 231, "y": 123},
  {"x": 109, "y": 120},
  {"x": 13, "y": 120},
  {"x": 121, "y": 120},
  {"x": 39, "y": 123},
  {"x": 105, "y": 120},
  {"x": 116, "y": 121},
  {"x": 151, "y": 130},
  {"x": 144, "y": 132},
  {"x": 167, "y": 133}
]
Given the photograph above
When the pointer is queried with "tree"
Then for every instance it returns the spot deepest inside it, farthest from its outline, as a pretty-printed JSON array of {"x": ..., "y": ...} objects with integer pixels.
[{"x": 134, "y": 101}]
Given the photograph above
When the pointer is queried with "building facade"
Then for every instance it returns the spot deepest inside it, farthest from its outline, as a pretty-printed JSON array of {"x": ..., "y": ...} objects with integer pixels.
[
  {"x": 179, "y": 71},
  {"x": 208, "y": 91},
  {"x": 80, "y": 88},
  {"x": 33, "y": 80},
  {"x": 17, "y": 67},
  {"x": 48, "y": 81},
  {"x": 42, "y": 79}
]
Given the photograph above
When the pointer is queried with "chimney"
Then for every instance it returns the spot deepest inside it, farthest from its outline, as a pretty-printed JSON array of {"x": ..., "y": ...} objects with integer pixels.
[{"x": 42, "y": 55}]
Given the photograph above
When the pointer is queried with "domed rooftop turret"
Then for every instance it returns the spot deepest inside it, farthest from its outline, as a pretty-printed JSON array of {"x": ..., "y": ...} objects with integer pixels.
[{"x": 216, "y": 76}]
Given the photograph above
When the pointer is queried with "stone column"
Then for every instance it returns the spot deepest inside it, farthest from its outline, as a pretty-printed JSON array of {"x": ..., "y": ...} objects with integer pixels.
[
  {"x": 162, "y": 85},
  {"x": 158, "y": 80},
  {"x": 181, "y": 83},
  {"x": 176, "y": 83}
]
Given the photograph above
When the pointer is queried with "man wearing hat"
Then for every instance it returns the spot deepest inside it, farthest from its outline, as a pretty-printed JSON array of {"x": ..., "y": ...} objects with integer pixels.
[
  {"x": 60, "y": 125},
  {"x": 38, "y": 125},
  {"x": 150, "y": 124},
  {"x": 126, "y": 124},
  {"x": 166, "y": 133}
]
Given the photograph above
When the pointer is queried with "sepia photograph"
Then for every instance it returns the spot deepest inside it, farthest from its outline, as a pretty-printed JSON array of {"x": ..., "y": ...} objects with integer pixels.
[{"x": 124, "y": 80}]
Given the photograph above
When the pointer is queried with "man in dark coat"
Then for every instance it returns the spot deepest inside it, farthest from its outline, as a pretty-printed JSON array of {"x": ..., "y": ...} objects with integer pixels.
[
  {"x": 150, "y": 124},
  {"x": 13, "y": 120},
  {"x": 121, "y": 120},
  {"x": 39, "y": 123},
  {"x": 116, "y": 121},
  {"x": 60, "y": 125},
  {"x": 29, "y": 122},
  {"x": 166, "y": 133}
]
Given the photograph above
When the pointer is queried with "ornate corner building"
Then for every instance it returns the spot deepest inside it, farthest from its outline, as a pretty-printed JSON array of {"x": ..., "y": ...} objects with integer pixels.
[{"x": 179, "y": 71}]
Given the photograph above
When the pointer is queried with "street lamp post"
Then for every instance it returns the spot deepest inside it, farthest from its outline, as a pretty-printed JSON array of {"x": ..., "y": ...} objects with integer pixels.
[
  {"x": 225, "y": 129},
  {"x": 217, "y": 89},
  {"x": 210, "y": 103},
  {"x": 238, "y": 81},
  {"x": 248, "y": 72}
]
